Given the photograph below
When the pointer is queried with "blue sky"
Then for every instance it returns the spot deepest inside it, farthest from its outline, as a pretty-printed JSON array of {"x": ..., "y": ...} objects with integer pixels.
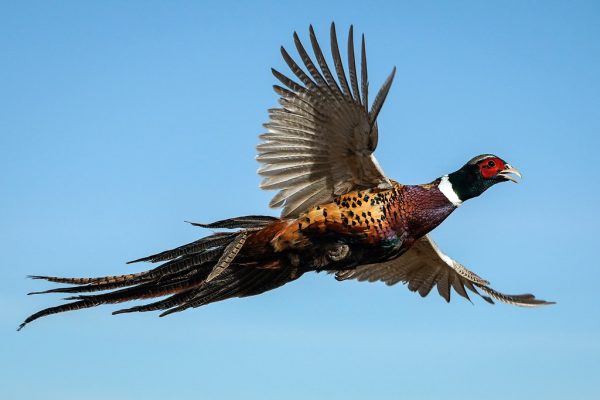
[{"x": 120, "y": 120}]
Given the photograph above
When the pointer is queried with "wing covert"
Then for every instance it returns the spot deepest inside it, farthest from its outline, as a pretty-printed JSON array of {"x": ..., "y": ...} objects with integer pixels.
[{"x": 320, "y": 142}]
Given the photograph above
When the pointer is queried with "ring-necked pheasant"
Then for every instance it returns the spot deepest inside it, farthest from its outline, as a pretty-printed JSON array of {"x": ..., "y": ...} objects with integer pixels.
[{"x": 341, "y": 214}]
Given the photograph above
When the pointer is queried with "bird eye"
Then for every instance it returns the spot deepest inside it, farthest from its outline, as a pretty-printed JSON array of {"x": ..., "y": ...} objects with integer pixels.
[{"x": 491, "y": 164}]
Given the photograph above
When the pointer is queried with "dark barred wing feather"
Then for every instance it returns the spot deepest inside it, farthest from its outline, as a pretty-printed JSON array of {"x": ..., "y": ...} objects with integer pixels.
[
  {"x": 320, "y": 143},
  {"x": 424, "y": 266}
]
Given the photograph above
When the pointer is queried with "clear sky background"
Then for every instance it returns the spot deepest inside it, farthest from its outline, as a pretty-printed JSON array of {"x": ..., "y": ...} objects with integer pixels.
[{"x": 120, "y": 120}]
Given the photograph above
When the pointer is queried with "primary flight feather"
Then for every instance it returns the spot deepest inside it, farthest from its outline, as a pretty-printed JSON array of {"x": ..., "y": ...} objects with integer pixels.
[{"x": 341, "y": 214}]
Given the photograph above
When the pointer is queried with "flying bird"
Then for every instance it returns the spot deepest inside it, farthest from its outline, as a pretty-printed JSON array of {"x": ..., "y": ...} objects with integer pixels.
[{"x": 340, "y": 212}]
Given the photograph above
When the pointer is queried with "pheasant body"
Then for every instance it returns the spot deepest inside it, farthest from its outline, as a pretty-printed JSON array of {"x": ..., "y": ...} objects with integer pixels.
[{"x": 376, "y": 224}]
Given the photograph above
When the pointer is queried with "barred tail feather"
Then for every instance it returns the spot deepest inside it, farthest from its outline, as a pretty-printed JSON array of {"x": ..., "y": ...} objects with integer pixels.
[
  {"x": 182, "y": 276},
  {"x": 215, "y": 240}
]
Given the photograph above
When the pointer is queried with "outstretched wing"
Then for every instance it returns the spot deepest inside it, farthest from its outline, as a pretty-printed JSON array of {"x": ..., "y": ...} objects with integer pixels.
[
  {"x": 424, "y": 266},
  {"x": 320, "y": 142}
]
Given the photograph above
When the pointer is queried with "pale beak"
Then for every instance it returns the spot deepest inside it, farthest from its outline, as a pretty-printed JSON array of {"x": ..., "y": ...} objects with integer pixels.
[{"x": 508, "y": 172}]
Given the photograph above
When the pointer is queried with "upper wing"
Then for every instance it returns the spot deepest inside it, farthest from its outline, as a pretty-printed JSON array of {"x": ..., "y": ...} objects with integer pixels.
[
  {"x": 320, "y": 142},
  {"x": 424, "y": 266}
]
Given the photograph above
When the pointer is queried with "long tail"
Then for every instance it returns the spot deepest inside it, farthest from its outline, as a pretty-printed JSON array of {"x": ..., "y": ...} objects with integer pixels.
[{"x": 213, "y": 268}]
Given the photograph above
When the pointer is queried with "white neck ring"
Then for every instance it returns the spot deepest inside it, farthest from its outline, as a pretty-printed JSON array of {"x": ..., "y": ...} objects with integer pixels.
[{"x": 446, "y": 188}]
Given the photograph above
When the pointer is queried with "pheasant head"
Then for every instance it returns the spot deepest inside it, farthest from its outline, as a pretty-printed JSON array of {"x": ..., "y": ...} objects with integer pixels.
[{"x": 476, "y": 176}]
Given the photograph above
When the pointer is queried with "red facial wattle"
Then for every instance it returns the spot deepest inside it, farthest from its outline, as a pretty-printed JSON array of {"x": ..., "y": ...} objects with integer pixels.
[{"x": 491, "y": 166}]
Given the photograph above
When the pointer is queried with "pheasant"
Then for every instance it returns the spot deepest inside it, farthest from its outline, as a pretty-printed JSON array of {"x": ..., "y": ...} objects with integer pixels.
[{"x": 341, "y": 214}]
